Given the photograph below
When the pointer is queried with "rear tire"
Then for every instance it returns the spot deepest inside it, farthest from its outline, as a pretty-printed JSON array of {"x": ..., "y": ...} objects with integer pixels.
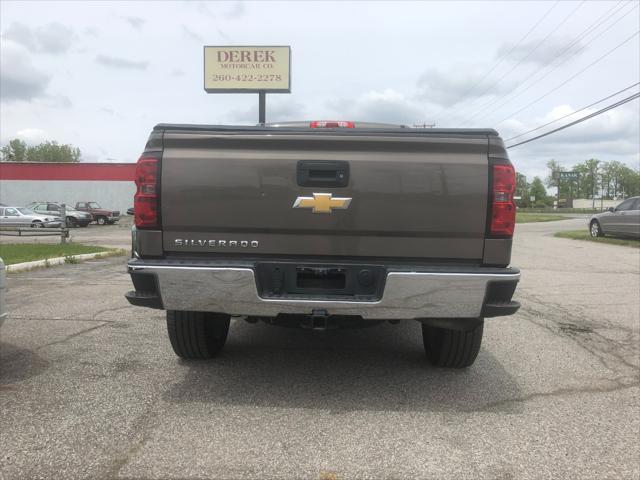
[
  {"x": 595, "y": 229},
  {"x": 452, "y": 348},
  {"x": 197, "y": 334},
  {"x": 71, "y": 222}
]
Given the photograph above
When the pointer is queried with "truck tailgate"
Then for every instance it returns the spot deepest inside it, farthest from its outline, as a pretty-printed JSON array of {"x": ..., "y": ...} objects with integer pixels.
[{"x": 412, "y": 196}]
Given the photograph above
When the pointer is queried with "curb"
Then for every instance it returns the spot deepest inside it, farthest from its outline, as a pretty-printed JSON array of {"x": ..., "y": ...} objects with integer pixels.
[{"x": 20, "y": 267}]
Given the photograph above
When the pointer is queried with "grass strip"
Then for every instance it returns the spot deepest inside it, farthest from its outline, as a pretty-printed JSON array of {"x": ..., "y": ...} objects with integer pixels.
[
  {"x": 585, "y": 235},
  {"x": 538, "y": 217},
  {"x": 12, "y": 253}
]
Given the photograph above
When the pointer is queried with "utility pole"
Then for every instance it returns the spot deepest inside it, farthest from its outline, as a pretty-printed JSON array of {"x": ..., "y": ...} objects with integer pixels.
[{"x": 594, "y": 180}]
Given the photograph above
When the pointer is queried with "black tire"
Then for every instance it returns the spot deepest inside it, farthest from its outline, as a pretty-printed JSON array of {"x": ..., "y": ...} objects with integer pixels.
[
  {"x": 452, "y": 348},
  {"x": 37, "y": 224},
  {"x": 72, "y": 222},
  {"x": 197, "y": 334},
  {"x": 100, "y": 220},
  {"x": 595, "y": 229}
]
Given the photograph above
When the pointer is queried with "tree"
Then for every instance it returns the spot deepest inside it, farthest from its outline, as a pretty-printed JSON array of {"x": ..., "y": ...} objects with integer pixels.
[
  {"x": 589, "y": 183},
  {"x": 629, "y": 182},
  {"x": 14, "y": 151},
  {"x": 53, "y": 152},
  {"x": 18, "y": 151},
  {"x": 522, "y": 189},
  {"x": 536, "y": 189},
  {"x": 553, "y": 179}
]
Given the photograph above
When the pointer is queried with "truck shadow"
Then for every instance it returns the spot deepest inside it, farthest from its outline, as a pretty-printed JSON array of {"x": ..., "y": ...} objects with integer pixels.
[
  {"x": 18, "y": 364},
  {"x": 377, "y": 368}
]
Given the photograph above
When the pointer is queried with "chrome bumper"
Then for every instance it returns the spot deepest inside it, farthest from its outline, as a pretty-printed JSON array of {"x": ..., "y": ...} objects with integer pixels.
[{"x": 406, "y": 294}]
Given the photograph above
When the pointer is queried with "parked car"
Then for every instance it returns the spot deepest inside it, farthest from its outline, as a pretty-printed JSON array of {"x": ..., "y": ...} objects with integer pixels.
[
  {"x": 623, "y": 220},
  {"x": 102, "y": 216},
  {"x": 74, "y": 218},
  {"x": 130, "y": 211},
  {"x": 25, "y": 217}
]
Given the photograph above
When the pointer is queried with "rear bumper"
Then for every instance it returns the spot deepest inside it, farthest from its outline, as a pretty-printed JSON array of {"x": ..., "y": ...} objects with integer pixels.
[{"x": 408, "y": 293}]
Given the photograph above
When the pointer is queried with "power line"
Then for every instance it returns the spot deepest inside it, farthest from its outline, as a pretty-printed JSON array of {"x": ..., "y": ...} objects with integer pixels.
[
  {"x": 516, "y": 94},
  {"x": 573, "y": 113},
  {"x": 504, "y": 56},
  {"x": 532, "y": 51},
  {"x": 580, "y": 120},
  {"x": 570, "y": 78}
]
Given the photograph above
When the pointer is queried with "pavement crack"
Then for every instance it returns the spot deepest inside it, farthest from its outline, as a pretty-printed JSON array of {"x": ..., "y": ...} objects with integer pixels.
[
  {"x": 111, "y": 310},
  {"x": 73, "y": 335},
  {"x": 611, "y": 354},
  {"x": 143, "y": 425},
  {"x": 560, "y": 392},
  {"x": 59, "y": 319}
]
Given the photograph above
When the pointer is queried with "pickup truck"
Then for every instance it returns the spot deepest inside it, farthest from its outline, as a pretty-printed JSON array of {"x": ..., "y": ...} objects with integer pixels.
[
  {"x": 322, "y": 225},
  {"x": 102, "y": 216}
]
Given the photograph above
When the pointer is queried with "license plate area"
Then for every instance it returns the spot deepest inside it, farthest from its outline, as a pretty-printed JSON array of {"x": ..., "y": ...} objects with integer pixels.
[
  {"x": 321, "y": 278},
  {"x": 313, "y": 281}
]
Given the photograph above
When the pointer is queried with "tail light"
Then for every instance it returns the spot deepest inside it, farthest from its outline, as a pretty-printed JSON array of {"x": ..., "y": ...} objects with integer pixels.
[
  {"x": 145, "y": 201},
  {"x": 503, "y": 207},
  {"x": 331, "y": 124}
]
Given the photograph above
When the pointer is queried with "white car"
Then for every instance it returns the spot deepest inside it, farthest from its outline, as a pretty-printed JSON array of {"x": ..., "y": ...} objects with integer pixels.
[{"x": 23, "y": 217}]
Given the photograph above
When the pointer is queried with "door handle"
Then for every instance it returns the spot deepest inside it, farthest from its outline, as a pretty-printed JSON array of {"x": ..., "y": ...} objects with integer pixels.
[{"x": 320, "y": 173}]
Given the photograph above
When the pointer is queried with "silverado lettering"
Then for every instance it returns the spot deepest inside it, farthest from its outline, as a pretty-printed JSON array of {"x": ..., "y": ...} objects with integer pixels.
[{"x": 185, "y": 242}]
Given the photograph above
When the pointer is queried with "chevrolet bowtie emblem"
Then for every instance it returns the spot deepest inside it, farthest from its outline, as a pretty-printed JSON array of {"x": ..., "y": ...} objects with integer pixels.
[{"x": 322, "y": 203}]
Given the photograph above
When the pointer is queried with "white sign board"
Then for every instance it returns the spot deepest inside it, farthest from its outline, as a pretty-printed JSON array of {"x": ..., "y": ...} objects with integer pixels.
[{"x": 247, "y": 69}]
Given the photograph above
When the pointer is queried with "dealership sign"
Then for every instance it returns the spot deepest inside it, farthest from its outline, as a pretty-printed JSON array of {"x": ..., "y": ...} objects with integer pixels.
[
  {"x": 247, "y": 69},
  {"x": 569, "y": 175}
]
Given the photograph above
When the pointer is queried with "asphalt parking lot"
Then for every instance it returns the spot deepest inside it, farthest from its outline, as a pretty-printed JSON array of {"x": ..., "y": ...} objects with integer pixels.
[{"x": 89, "y": 386}]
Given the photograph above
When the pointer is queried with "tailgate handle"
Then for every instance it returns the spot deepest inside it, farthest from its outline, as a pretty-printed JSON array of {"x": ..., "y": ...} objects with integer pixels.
[{"x": 318, "y": 173}]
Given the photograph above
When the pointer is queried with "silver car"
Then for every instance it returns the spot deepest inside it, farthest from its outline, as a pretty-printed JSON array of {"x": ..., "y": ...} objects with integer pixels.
[
  {"x": 623, "y": 220},
  {"x": 20, "y": 216},
  {"x": 75, "y": 218}
]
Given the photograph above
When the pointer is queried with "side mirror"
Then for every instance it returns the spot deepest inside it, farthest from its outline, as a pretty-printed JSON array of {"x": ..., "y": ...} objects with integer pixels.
[{"x": 611, "y": 209}]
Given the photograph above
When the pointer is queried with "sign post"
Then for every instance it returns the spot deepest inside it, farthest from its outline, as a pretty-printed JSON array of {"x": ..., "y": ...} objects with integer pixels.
[
  {"x": 63, "y": 223},
  {"x": 262, "y": 107},
  {"x": 248, "y": 69}
]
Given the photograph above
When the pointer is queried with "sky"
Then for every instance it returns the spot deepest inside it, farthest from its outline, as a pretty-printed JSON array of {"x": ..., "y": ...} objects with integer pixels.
[{"x": 100, "y": 75}]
